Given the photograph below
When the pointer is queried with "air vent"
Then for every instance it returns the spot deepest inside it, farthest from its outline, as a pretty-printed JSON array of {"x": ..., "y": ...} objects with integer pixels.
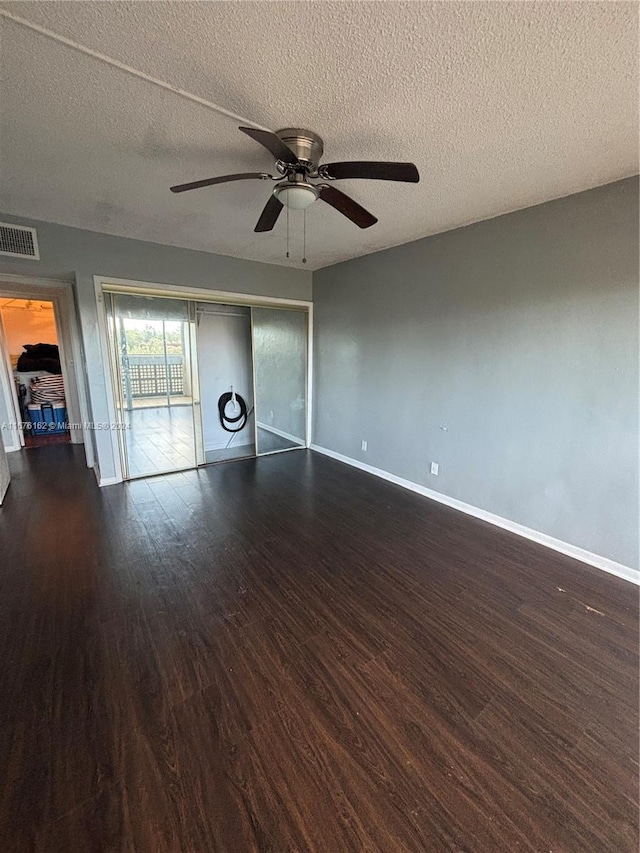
[{"x": 19, "y": 241}]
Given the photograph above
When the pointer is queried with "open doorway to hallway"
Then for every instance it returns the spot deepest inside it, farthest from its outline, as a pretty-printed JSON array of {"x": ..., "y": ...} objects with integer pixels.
[{"x": 34, "y": 395}]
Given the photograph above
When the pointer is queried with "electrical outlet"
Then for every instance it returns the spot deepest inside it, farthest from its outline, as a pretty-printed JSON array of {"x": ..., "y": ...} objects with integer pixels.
[
  {"x": 364, "y": 445},
  {"x": 435, "y": 468}
]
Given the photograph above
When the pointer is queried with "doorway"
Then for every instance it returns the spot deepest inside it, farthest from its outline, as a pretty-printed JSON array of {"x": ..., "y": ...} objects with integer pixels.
[{"x": 34, "y": 393}]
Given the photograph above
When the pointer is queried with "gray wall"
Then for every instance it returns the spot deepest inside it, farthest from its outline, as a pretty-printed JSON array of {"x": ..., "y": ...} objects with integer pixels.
[
  {"x": 75, "y": 254},
  {"x": 506, "y": 351}
]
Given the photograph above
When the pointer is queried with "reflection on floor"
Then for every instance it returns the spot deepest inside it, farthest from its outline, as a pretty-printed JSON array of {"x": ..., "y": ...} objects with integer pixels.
[
  {"x": 268, "y": 441},
  {"x": 159, "y": 439}
]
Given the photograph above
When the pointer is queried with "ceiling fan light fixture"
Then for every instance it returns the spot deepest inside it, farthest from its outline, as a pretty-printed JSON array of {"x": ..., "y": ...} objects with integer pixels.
[
  {"x": 297, "y": 153},
  {"x": 296, "y": 196}
]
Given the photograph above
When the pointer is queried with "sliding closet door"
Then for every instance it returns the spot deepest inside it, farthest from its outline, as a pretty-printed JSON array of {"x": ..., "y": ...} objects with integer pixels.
[
  {"x": 152, "y": 359},
  {"x": 280, "y": 363}
]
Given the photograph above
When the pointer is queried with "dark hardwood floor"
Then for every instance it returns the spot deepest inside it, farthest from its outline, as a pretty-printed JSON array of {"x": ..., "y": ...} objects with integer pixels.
[
  {"x": 31, "y": 440},
  {"x": 285, "y": 654}
]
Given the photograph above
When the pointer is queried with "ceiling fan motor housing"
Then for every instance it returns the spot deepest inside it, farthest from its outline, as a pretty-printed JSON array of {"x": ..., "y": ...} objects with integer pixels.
[{"x": 305, "y": 144}]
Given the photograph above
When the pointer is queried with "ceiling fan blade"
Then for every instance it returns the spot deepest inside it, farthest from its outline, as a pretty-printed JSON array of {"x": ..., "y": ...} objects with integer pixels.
[
  {"x": 272, "y": 143},
  {"x": 269, "y": 215},
  {"x": 347, "y": 206},
  {"x": 377, "y": 170},
  {"x": 242, "y": 176}
]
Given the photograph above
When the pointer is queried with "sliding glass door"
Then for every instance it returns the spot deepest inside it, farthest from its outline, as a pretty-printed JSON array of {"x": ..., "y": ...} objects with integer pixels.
[
  {"x": 152, "y": 363},
  {"x": 280, "y": 364}
]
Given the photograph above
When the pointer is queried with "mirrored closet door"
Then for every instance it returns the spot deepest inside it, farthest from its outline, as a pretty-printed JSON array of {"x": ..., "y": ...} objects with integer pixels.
[{"x": 280, "y": 363}]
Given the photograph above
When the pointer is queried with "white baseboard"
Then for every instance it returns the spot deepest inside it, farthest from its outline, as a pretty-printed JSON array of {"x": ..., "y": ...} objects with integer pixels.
[
  {"x": 282, "y": 434},
  {"x": 109, "y": 481},
  {"x": 105, "y": 481},
  {"x": 596, "y": 560}
]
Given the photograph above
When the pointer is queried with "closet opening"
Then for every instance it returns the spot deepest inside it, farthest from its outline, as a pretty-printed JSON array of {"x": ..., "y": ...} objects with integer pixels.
[
  {"x": 202, "y": 381},
  {"x": 226, "y": 381}
]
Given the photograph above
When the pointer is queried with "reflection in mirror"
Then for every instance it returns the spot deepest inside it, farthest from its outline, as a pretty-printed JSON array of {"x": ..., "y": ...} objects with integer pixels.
[{"x": 280, "y": 359}]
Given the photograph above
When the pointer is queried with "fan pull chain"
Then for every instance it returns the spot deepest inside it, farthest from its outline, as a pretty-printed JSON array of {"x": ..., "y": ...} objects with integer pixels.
[
  {"x": 304, "y": 236},
  {"x": 287, "y": 230}
]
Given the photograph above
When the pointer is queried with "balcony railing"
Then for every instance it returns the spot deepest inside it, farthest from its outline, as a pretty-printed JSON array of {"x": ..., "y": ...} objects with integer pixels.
[{"x": 147, "y": 376}]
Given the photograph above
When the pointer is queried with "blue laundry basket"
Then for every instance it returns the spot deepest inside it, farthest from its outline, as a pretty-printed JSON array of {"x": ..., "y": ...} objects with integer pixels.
[{"x": 47, "y": 418}]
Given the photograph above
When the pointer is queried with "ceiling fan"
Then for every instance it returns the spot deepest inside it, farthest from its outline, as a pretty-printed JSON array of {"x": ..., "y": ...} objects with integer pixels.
[{"x": 298, "y": 152}]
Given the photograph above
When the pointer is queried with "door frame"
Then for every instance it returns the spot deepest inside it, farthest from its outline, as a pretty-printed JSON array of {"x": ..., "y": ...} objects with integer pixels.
[
  {"x": 9, "y": 395},
  {"x": 104, "y": 284},
  {"x": 60, "y": 293}
]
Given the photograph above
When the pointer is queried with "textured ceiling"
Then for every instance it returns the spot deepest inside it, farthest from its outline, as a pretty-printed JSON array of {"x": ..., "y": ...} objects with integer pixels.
[{"x": 501, "y": 105}]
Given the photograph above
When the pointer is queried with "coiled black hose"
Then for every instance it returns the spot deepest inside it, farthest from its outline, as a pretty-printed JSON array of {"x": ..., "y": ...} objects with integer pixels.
[{"x": 222, "y": 405}]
